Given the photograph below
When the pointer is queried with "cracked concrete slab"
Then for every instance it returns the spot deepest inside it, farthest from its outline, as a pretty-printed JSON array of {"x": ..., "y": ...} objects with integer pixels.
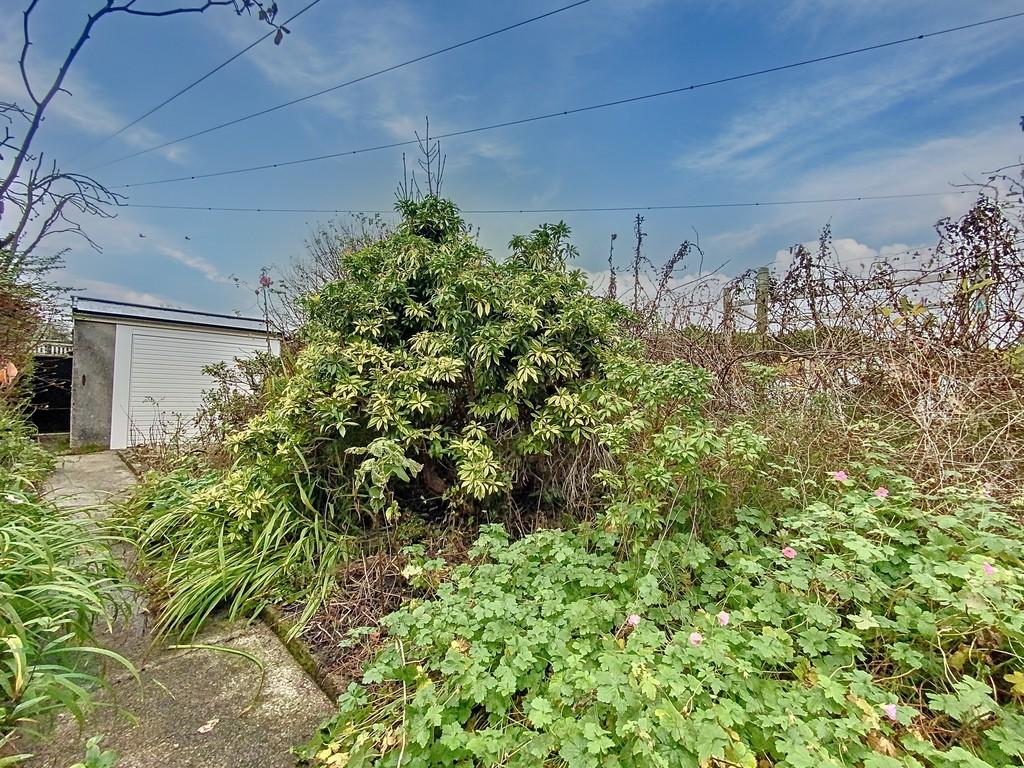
[{"x": 191, "y": 708}]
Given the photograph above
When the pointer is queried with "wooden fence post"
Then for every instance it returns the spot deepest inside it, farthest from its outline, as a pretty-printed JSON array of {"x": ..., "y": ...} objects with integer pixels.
[
  {"x": 761, "y": 287},
  {"x": 728, "y": 316}
]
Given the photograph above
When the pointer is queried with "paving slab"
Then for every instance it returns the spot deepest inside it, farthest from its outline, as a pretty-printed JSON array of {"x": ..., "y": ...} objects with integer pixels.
[
  {"x": 87, "y": 481},
  {"x": 191, "y": 708}
]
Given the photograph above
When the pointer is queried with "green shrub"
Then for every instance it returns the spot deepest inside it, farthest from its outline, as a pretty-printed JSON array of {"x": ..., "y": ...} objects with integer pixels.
[
  {"x": 58, "y": 578},
  {"x": 433, "y": 380},
  {"x": 432, "y": 372},
  {"x": 852, "y": 631}
]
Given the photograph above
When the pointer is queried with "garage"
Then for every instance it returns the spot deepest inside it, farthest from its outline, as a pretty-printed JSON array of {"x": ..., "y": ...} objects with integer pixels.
[{"x": 137, "y": 370}]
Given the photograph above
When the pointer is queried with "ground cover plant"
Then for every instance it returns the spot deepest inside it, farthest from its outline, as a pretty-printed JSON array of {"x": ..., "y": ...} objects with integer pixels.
[
  {"x": 870, "y": 625},
  {"x": 58, "y": 580}
]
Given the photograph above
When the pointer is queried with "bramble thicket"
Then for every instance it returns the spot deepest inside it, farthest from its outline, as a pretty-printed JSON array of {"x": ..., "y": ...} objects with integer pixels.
[{"x": 658, "y": 578}]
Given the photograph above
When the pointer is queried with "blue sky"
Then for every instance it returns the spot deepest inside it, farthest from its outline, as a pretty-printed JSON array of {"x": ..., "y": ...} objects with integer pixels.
[{"x": 903, "y": 120}]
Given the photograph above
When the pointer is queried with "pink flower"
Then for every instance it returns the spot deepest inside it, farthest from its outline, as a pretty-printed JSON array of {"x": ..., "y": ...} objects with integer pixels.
[
  {"x": 890, "y": 711},
  {"x": 723, "y": 618},
  {"x": 882, "y": 492},
  {"x": 696, "y": 638},
  {"x": 840, "y": 476},
  {"x": 265, "y": 280},
  {"x": 633, "y": 620},
  {"x": 988, "y": 568},
  {"x": 788, "y": 552}
]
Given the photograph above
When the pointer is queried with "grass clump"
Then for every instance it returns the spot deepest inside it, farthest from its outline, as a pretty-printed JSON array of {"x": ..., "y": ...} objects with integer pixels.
[{"x": 58, "y": 579}]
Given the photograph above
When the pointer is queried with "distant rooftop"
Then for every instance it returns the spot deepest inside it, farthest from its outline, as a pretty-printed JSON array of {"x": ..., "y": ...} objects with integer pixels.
[{"x": 87, "y": 306}]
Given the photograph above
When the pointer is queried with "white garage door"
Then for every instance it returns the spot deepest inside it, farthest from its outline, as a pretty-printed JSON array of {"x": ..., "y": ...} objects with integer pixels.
[{"x": 166, "y": 380}]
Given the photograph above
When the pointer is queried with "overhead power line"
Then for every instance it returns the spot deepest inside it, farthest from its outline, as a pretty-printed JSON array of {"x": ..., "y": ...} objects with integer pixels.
[
  {"x": 577, "y": 110},
  {"x": 182, "y": 91},
  {"x": 339, "y": 86},
  {"x": 608, "y": 209}
]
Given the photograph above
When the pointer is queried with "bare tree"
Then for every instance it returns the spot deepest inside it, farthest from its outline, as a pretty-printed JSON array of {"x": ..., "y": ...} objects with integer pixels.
[
  {"x": 37, "y": 198},
  {"x": 322, "y": 263}
]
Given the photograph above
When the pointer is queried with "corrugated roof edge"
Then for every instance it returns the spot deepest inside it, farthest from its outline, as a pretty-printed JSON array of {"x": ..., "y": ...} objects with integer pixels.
[{"x": 88, "y": 305}]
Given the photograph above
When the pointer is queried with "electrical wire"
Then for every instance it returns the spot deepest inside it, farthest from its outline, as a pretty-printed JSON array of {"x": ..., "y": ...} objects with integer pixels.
[
  {"x": 607, "y": 209},
  {"x": 339, "y": 86},
  {"x": 189, "y": 87},
  {"x": 577, "y": 110}
]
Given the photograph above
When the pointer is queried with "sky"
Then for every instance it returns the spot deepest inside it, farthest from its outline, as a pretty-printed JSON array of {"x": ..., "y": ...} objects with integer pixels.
[{"x": 915, "y": 118}]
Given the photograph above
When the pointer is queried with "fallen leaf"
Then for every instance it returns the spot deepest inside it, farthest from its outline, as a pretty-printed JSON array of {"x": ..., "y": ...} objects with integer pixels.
[
  {"x": 1017, "y": 681},
  {"x": 881, "y": 744}
]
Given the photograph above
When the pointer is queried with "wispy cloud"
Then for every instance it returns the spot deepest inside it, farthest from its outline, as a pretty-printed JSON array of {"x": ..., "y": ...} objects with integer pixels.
[
  {"x": 790, "y": 126},
  {"x": 394, "y": 103},
  {"x": 197, "y": 263},
  {"x": 102, "y": 289},
  {"x": 82, "y": 106},
  {"x": 355, "y": 39},
  {"x": 857, "y": 257},
  {"x": 130, "y": 238},
  {"x": 931, "y": 165}
]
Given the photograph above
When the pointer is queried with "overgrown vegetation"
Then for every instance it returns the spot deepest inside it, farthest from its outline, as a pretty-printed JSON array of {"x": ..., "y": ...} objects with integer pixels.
[
  {"x": 685, "y": 557},
  {"x": 860, "y": 623},
  {"x": 58, "y": 581},
  {"x": 432, "y": 381}
]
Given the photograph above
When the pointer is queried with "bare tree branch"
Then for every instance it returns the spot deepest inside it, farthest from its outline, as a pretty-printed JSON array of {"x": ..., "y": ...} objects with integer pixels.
[{"x": 37, "y": 199}]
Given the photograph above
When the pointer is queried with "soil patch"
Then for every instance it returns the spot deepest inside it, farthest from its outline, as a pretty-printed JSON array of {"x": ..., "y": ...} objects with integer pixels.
[{"x": 346, "y": 632}]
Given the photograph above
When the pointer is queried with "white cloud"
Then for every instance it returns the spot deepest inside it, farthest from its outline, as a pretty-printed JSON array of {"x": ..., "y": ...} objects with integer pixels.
[
  {"x": 198, "y": 263},
  {"x": 354, "y": 40},
  {"x": 790, "y": 124},
  {"x": 102, "y": 289},
  {"x": 396, "y": 102},
  {"x": 129, "y": 238},
  {"x": 859, "y": 258},
  {"x": 928, "y": 166}
]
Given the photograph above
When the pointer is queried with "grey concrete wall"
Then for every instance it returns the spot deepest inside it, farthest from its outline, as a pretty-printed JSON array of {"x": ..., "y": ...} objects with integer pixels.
[{"x": 92, "y": 382}]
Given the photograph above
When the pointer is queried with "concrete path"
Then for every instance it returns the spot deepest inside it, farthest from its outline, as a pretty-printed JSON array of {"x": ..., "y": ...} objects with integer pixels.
[{"x": 194, "y": 708}]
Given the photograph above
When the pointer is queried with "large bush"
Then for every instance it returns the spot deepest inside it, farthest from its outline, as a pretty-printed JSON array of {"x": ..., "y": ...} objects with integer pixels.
[
  {"x": 432, "y": 380},
  {"x": 432, "y": 372}
]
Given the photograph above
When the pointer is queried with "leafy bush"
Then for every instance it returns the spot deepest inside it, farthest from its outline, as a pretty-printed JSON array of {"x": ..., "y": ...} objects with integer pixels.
[
  {"x": 866, "y": 628},
  {"x": 432, "y": 380},
  {"x": 432, "y": 371},
  {"x": 238, "y": 394},
  {"x": 57, "y": 579}
]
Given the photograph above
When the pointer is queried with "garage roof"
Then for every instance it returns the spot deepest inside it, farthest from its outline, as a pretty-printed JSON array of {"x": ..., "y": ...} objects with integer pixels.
[{"x": 107, "y": 308}]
